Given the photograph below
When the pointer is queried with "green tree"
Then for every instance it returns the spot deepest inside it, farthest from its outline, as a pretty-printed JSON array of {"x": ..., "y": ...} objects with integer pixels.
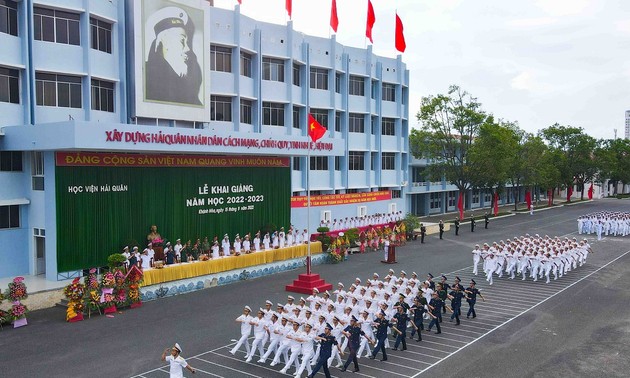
[
  {"x": 449, "y": 124},
  {"x": 612, "y": 158}
]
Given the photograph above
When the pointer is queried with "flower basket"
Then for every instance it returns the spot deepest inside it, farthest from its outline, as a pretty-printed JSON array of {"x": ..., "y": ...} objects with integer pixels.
[
  {"x": 110, "y": 310},
  {"x": 17, "y": 290},
  {"x": 77, "y": 318},
  {"x": 21, "y": 322}
]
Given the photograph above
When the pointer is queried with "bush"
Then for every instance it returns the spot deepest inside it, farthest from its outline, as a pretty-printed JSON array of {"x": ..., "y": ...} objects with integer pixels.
[
  {"x": 115, "y": 260},
  {"x": 352, "y": 235}
]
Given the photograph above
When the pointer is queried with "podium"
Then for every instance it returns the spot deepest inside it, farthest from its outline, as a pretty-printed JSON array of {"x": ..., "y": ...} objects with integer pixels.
[{"x": 391, "y": 255}]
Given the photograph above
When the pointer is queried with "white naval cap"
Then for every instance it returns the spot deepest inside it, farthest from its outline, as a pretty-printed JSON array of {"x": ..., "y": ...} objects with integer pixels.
[{"x": 178, "y": 347}]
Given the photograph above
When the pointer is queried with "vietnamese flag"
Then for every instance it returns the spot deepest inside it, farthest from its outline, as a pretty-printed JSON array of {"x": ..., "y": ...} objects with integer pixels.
[
  {"x": 334, "y": 19},
  {"x": 569, "y": 193},
  {"x": 590, "y": 192},
  {"x": 496, "y": 204},
  {"x": 315, "y": 130},
  {"x": 528, "y": 199},
  {"x": 401, "y": 45},
  {"x": 460, "y": 205},
  {"x": 371, "y": 19},
  {"x": 288, "y": 4}
]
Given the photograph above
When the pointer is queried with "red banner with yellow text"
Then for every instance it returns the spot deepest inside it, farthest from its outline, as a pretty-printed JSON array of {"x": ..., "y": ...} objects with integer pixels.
[
  {"x": 341, "y": 199},
  {"x": 104, "y": 159}
]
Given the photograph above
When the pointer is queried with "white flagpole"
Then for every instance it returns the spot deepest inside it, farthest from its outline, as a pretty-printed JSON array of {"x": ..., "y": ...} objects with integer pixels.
[{"x": 308, "y": 208}]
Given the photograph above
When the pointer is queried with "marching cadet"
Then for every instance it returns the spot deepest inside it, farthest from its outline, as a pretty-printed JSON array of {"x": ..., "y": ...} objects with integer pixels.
[
  {"x": 486, "y": 220},
  {"x": 456, "y": 226},
  {"x": 443, "y": 295},
  {"x": 472, "y": 223},
  {"x": 476, "y": 258},
  {"x": 306, "y": 339},
  {"x": 435, "y": 306},
  {"x": 456, "y": 302},
  {"x": 400, "y": 328},
  {"x": 353, "y": 333},
  {"x": 273, "y": 329},
  {"x": 417, "y": 311},
  {"x": 246, "y": 330},
  {"x": 295, "y": 345},
  {"x": 260, "y": 324},
  {"x": 382, "y": 326},
  {"x": 365, "y": 322},
  {"x": 471, "y": 297},
  {"x": 327, "y": 340},
  {"x": 446, "y": 287},
  {"x": 441, "y": 225}
]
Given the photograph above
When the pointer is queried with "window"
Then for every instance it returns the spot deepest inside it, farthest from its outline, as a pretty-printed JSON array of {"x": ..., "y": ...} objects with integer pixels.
[
  {"x": 102, "y": 95},
  {"x": 321, "y": 115},
  {"x": 389, "y": 92},
  {"x": 338, "y": 122},
  {"x": 37, "y": 170},
  {"x": 374, "y": 123},
  {"x": 296, "y": 163},
  {"x": 373, "y": 156},
  {"x": 319, "y": 78},
  {"x": 296, "y": 75},
  {"x": 356, "y": 123},
  {"x": 337, "y": 163},
  {"x": 374, "y": 89},
  {"x": 8, "y": 17},
  {"x": 319, "y": 163},
  {"x": 10, "y": 216},
  {"x": 246, "y": 111},
  {"x": 220, "y": 58},
  {"x": 405, "y": 93},
  {"x": 396, "y": 193},
  {"x": 388, "y": 161},
  {"x": 273, "y": 114},
  {"x": 361, "y": 211},
  {"x": 337, "y": 82},
  {"x": 296, "y": 117},
  {"x": 475, "y": 196},
  {"x": 101, "y": 35},
  {"x": 57, "y": 26},
  {"x": 58, "y": 90},
  {"x": 435, "y": 201},
  {"x": 388, "y": 126},
  {"x": 11, "y": 161},
  {"x": 273, "y": 69},
  {"x": 487, "y": 197},
  {"x": 357, "y": 86},
  {"x": 221, "y": 108},
  {"x": 451, "y": 199},
  {"x": 246, "y": 64},
  {"x": 356, "y": 161},
  {"x": 9, "y": 85}
]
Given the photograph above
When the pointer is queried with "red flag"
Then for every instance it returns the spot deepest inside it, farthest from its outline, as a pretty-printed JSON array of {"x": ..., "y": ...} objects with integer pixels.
[
  {"x": 334, "y": 20},
  {"x": 569, "y": 193},
  {"x": 288, "y": 4},
  {"x": 315, "y": 130},
  {"x": 460, "y": 205},
  {"x": 240, "y": 2},
  {"x": 528, "y": 199},
  {"x": 550, "y": 197},
  {"x": 400, "y": 36},
  {"x": 496, "y": 204},
  {"x": 590, "y": 192},
  {"x": 371, "y": 19}
]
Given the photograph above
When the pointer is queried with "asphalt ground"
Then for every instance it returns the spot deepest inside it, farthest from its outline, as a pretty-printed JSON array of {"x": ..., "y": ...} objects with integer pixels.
[{"x": 573, "y": 327}]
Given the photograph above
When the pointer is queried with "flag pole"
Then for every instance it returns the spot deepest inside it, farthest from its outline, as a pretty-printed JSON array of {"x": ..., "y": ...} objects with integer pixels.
[{"x": 308, "y": 209}]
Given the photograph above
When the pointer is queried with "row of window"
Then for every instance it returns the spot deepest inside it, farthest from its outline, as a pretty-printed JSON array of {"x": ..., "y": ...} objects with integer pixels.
[
  {"x": 10, "y": 216},
  {"x": 57, "y": 26},
  {"x": 356, "y": 162}
]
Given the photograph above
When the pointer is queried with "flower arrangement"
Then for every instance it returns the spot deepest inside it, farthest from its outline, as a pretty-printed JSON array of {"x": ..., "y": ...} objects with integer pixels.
[
  {"x": 17, "y": 311},
  {"x": 336, "y": 256},
  {"x": 157, "y": 242},
  {"x": 120, "y": 297},
  {"x": 93, "y": 300},
  {"x": 119, "y": 277},
  {"x": 90, "y": 281},
  {"x": 17, "y": 289},
  {"x": 75, "y": 291},
  {"x": 74, "y": 311},
  {"x": 108, "y": 280},
  {"x": 134, "y": 293},
  {"x": 4, "y": 316}
]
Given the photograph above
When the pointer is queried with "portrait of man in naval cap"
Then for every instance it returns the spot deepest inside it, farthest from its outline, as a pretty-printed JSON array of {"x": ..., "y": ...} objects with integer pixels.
[{"x": 172, "y": 72}]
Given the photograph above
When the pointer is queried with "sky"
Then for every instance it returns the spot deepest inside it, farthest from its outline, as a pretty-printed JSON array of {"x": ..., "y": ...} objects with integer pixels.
[{"x": 536, "y": 62}]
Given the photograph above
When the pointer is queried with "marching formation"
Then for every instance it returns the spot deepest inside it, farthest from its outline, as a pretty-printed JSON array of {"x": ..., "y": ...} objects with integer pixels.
[
  {"x": 605, "y": 222},
  {"x": 313, "y": 333},
  {"x": 538, "y": 256}
]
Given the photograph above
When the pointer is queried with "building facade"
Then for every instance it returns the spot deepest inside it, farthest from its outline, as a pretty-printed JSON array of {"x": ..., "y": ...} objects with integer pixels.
[
  {"x": 627, "y": 129},
  {"x": 95, "y": 123}
]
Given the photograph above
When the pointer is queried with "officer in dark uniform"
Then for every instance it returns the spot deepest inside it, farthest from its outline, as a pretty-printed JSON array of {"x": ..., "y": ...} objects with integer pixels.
[
  {"x": 423, "y": 232},
  {"x": 353, "y": 332},
  {"x": 456, "y": 226},
  {"x": 381, "y": 325},
  {"x": 417, "y": 311},
  {"x": 446, "y": 287},
  {"x": 472, "y": 223},
  {"x": 486, "y": 219},
  {"x": 435, "y": 306},
  {"x": 327, "y": 340},
  {"x": 457, "y": 283},
  {"x": 471, "y": 297},
  {"x": 401, "y": 302},
  {"x": 442, "y": 294},
  {"x": 456, "y": 296},
  {"x": 430, "y": 281},
  {"x": 400, "y": 328},
  {"x": 441, "y": 225}
]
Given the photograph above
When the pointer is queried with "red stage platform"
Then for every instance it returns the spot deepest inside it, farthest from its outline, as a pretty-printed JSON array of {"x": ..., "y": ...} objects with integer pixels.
[{"x": 307, "y": 282}]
